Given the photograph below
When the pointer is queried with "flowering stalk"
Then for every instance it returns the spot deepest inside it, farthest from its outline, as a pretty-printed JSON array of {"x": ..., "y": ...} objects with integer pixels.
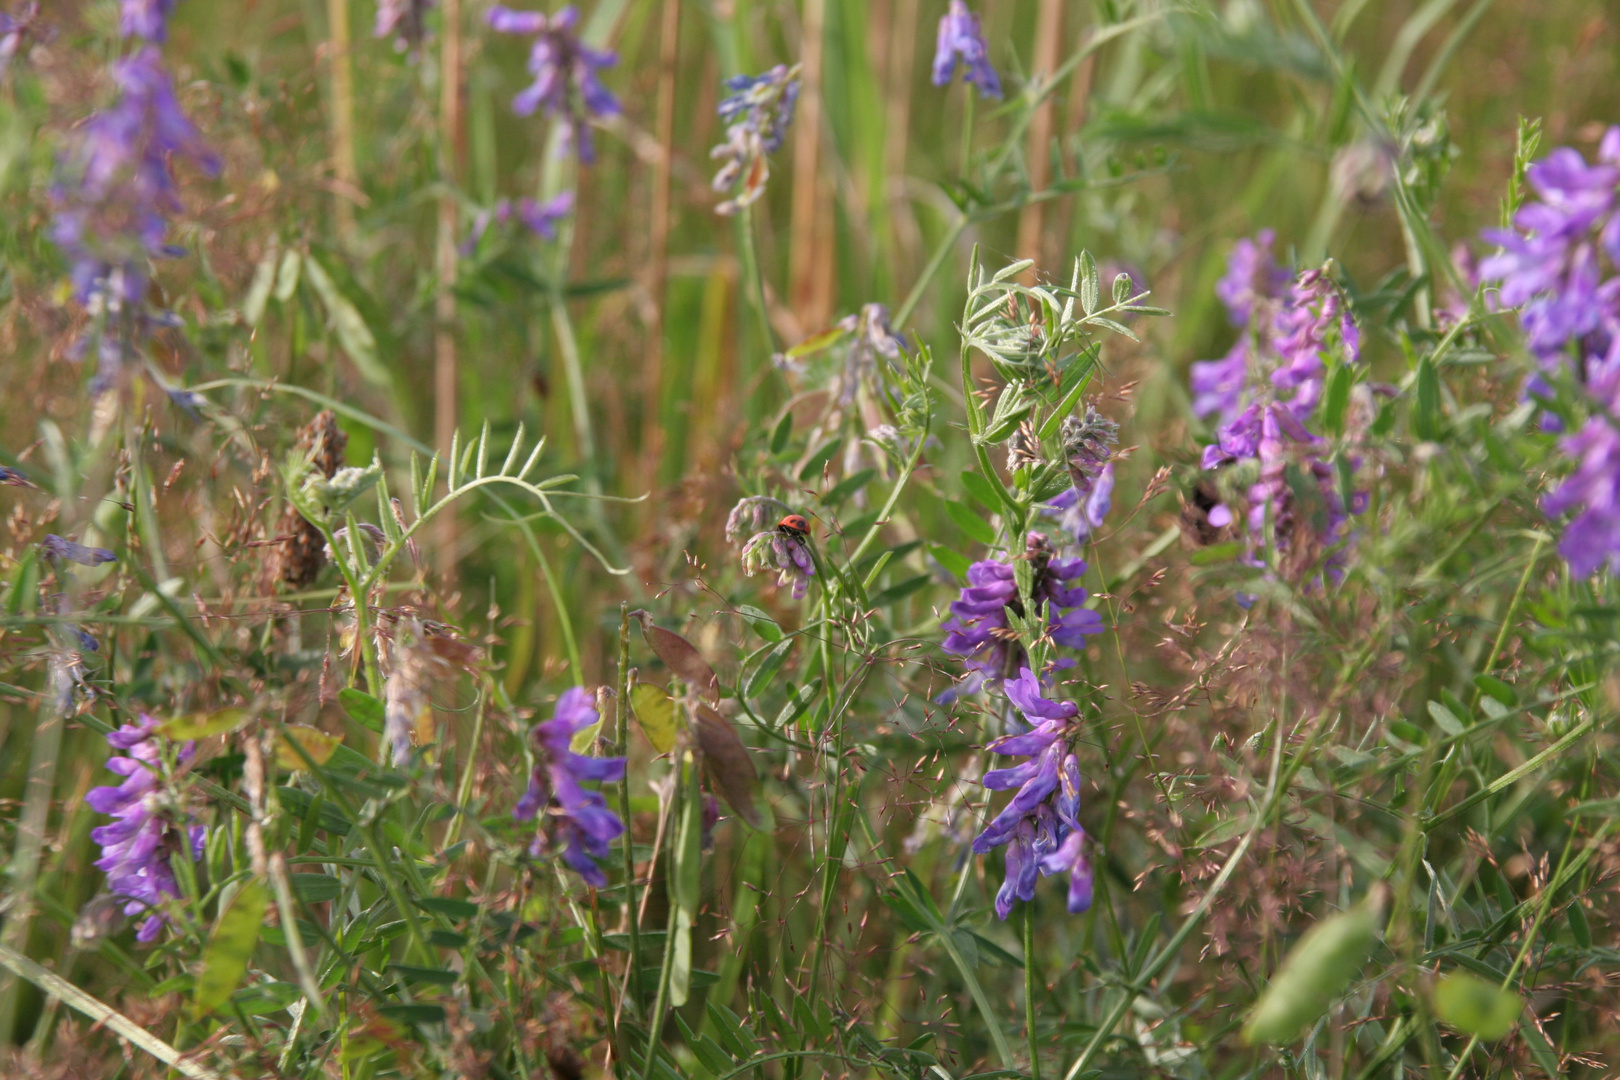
[{"x": 576, "y": 821}]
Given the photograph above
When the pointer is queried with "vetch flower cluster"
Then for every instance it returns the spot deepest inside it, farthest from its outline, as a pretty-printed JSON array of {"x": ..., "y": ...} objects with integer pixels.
[
  {"x": 979, "y": 630},
  {"x": 1041, "y": 825},
  {"x": 785, "y": 550},
  {"x": 404, "y": 20},
  {"x": 757, "y": 111},
  {"x": 872, "y": 337},
  {"x": 1269, "y": 383},
  {"x": 138, "y": 849},
  {"x": 541, "y": 218},
  {"x": 1558, "y": 267},
  {"x": 115, "y": 198},
  {"x": 147, "y": 19},
  {"x": 1088, "y": 442},
  {"x": 961, "y": 40},
  {"x": 566, "y": 84},
  {"x": 573, "y": 819}
]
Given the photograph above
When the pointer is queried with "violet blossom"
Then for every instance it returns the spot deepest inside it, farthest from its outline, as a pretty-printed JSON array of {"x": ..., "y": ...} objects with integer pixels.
[
  {"x": 60, "y": 549},
  {"x": 785, "y": 550},
  {"x": 572, "y": 818},
  {"x": 757, "y": 111},
  {"x": 1269, "y": 383},
  {"x": 978, "y": 629},
  {"x": 961, "y": 39},
  {"x": 404, "y": 20},
  {"x": 566, "y": 84},
  {"x": 1557, "y": 266},
  {"x": 1088, "y": 442},
  {"x": 14, "y": 29},
  {"x": 540, "y": 218},
  {"x": 138, "y": 848},
  {"x": 113, "y": 205},
  {"x": 1040, "y": 826},
  {"x": 147, "y": 19},
  {"x": 874, "y": 337}
]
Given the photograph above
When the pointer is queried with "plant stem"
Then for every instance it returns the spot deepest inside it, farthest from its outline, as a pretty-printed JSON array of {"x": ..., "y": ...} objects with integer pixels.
[
  {"x": 1029, "y": 991},
  {"x": 622, "y": 738}
]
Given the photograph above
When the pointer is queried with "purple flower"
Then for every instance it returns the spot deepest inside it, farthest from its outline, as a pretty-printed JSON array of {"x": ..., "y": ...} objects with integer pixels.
[
  {"x": 405, "y": 20},
  {"x": 1080, "y": 510},
  {"x": 117, "y": 192},
  {"x": 138, "y": 848},
  {"x": 13, "y": 29},
  {"x": 147, "y": 19},
  {"x": 978, "y": 630},
  {"x": 1040, "y": 824},
  {"x": 1551, "y": 263},
  {"x": 58, "y": 549},
  {"x": 540, "y": 217},
  {"x": 13, "y": 478},
  {"x": 781, "y": 549},
  {"x": 960, "y": 38},
  {"x": 873, "y": 337},
  {"x": 576, "y": 820},
  {"x": 757, "y": 112},
  {"x": 1252, "y": 276},
  {"x": 566, "y": 84},
  {"x": 754, "y": 514}
]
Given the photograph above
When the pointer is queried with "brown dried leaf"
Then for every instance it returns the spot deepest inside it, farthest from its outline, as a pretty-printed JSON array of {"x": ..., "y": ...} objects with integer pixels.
[
  {"x": 681, "y": 657},
  {"x": 726, "y": 760}
]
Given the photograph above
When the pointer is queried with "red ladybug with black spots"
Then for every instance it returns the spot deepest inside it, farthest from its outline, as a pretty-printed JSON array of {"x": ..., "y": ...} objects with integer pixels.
[{"x": 794, "y": 525}]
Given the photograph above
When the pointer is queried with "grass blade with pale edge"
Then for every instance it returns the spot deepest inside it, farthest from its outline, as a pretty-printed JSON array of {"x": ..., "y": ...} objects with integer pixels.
[{"x": 105, "y": 1015}]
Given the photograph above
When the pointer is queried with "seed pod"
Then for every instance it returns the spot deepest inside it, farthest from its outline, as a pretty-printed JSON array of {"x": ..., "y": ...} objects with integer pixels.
[{"x": 1317, "y": 970}]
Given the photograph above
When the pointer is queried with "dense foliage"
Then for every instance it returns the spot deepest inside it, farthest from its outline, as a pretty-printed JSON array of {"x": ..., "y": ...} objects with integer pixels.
[{"x": 494, "y": 587}]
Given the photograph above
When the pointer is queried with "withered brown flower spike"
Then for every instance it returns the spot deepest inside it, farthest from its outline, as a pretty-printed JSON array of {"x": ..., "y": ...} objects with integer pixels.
[{"x": 301, "y": 556}]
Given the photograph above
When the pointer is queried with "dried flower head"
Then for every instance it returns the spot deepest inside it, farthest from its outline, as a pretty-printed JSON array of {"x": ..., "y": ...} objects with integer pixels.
[{"x": 757, "y": 112}]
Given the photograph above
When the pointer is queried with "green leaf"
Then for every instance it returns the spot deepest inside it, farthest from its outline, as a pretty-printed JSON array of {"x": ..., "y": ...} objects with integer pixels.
[
  {"x": 316, "y": 888},
  {"x": 362, "y": 708},
  {"x": 433, "y": 976},
  {"x": 895, "y": 593},
  {"x": 812, "y": 468},
  {"x": 1071, "y": 398},
  {"x": 982, "y": 490},
  {"x": 1426, "y": 405},
  {"x": 448, "y": 906},
  {"x": 1317, "y": 969},
  {"x": 1336, "y": 398},
  {"x": 687, "y": 884},
  {"x": 287, "y": 276},
  {"x": 848, "y": 486},
  {"x": 230, "y": 946},
  {"x": 971, "y": 524},
  {"x": 953, "y": 561},
  {"x": 763, "y": 624},
  {"x": 317, "y": 745},
  {"x": 258, "y": 294},
  {"x": 1089, "y": 287},
  {"x": 782, "y": 434},
  {"x": 1476, "y": 1007},
  {"x": 351, "y": 329},
  {"x": 762, "y": 676},
  {"x": 1496, "y": 688},
  {"x": 1445, "y": 719},
  {"x": 1579, "y": 928},
  {"x": 1122, "y": 288},
  {"x": 261, "y": 998}
]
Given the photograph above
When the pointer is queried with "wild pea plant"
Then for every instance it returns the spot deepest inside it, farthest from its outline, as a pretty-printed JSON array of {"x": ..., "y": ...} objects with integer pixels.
[{"x": 328, "y": 752}]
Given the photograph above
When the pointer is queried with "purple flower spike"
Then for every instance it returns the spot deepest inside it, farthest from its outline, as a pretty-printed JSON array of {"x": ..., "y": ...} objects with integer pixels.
[
  {"x": 961, "y": 39},
  {"x": 566, "y": 84},
  {"x": 138, "y": 848},
  {"x": 58, "y": 549},
  {"x": 542, "y": 217},
  {"x": 147, "y": 19},
  {"x": 116, "y": 195},
  {"x": 781, "y": 549},
  {"x": 978, "y": 630},
  {"x": 1040, "y": 826},
  {"x": 757, "y": 111},
  {"x": 576, "y": 820},
  {"x": 1252, "y": 276},
  {"x": 404, "y": 20}
]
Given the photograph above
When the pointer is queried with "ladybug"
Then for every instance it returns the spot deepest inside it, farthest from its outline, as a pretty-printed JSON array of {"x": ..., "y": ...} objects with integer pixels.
[{"x": 794, "y": 525}]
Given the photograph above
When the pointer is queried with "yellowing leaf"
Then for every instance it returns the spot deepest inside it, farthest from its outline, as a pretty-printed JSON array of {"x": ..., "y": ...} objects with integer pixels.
[
  {"x": 655, "y": 712},
  {"x": 317, "y": 744},
  {"x": 202, "y": 725}
]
